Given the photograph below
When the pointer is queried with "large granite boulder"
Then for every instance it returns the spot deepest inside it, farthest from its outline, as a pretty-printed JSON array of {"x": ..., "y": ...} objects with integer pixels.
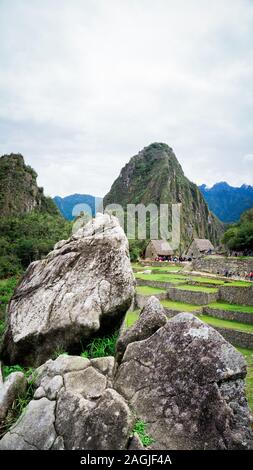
[
  {"x": 74, "y": 407},
  {"x": 83, "y": 286},
  {"x": 187, "y": 383}
]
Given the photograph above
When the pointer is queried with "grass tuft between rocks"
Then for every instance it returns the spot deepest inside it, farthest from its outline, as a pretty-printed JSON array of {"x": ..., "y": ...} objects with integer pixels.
[
  {"x": 101, "y": 347},
  {"x": 140, "y": 429}
]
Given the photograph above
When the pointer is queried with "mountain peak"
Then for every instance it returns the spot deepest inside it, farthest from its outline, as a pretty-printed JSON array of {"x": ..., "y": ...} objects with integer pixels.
[{"x": 155, "y": 176}]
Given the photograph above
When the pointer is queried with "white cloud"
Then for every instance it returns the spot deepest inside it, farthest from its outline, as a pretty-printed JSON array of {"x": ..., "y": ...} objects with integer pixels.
[{"x": 85, "y": 85}]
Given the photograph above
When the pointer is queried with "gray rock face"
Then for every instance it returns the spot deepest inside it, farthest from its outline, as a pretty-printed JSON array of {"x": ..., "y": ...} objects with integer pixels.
[
  {"x": 74, "y": 407},
  {"x": 187, "y": 383},
  {"x": 151, "y": 318},
  {"x": 34, "y": 430},
  {"x": 84, "y": 285},
  {"x": 15, "y": 385}
]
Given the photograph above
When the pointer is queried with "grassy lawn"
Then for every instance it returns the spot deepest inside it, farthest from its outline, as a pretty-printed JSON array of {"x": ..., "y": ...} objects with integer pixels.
[
  {"x": 161, "y": 277},
  {"x": 131, "y": 318},
  {"x": 180, "y": 306},
  {"x": 230, "y": 324},
  {"x": 232, "y": 307},
  {"x": 164, "y": 269},
  {"x": 197, "y": 288},
  {"x": 248, "y": 355},
  {"x": 206, "y": 280},
  {"x": 238, "y": 283},
  {"x": 147, "y": 290}
]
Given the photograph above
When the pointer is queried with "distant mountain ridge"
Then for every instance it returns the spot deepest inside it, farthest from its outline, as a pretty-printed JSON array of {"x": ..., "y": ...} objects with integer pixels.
[
  {"x": 228, "y": 202},
  {"x": 74, "y": 202}
]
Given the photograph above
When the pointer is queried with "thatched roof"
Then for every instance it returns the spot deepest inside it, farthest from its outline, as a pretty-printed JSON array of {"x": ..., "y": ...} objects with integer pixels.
[
  {"x": 162, "y": 247},
  {"x": 203, "y": 244}
]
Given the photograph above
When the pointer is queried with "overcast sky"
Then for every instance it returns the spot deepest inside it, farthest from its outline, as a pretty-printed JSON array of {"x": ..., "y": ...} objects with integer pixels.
[{"x": 86, "y": 84}]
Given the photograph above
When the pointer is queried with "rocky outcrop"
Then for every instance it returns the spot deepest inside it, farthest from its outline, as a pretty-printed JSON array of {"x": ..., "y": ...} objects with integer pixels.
[
  {"x": 187, "y": 383},
  {"x": 83, "y": 286},
  {"x": 76, "y": 408}
]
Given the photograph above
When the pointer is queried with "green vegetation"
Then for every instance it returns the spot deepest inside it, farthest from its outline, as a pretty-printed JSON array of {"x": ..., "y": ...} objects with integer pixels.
[
  {"x": 248, "y": 355},
  {"x": 238, "y": 284},
  {"x": 7, "y": 287},
  {"x": 28, "y": 237},
  {"x": 30, "y": 223},
  {"x": 230, "y": 324},
  {"x": 170, "y": 278},
  {"x": 140, "y": 429},
  {"x": 240, "y": 236},
  {"x": 136, "y": 249},
  {"x": 164, "y": 269},
  {"x": 208, "y": 290},
  {"x": 206, "y": 280},
  {"x": 59, "y": 352},
  {"x": 180, "y": 306},
  {"x": 131, "y": 317},
  {"x": 27, "y": 371},
  {"x": 147, "y": 290},
  {"x": 101, "y": 347},
  {"x": 232, "y": 307}
]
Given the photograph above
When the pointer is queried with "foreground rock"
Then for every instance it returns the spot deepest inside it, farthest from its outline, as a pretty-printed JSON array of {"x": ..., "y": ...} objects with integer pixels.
[
  {"x": 151, "y": 318},
  {"x": 76, "y": 408},
  {"x": 186, "y": 381},
  {"x": 84, "y": 286},
  {"x": 178, "y": 376},
  {"x": 14, "y": 386}
]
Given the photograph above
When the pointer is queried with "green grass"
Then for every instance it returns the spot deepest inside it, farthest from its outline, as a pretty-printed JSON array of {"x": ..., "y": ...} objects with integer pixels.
[
  {"x": 180, "y": 306},
  {"x": 140, "y": 429},
  {"x": 161, "y": 277},
  {"x": 198, "y": 288},
  {"x": 232, "y": 307},
  {"x": 230, "y": 324},
  {"x": 164, "y": 269},
  {"x": 101, "y": 347},
  {"x": 147, "y": 290},
  {"x": 59, "y": 352},
  {"x": 206, "y": 280},
  {"x": 238, "y": 283},
  {"x": 248, "y": 355},
  {"x": 7, "y": 370},
  {"x": 131, "y": 318}
]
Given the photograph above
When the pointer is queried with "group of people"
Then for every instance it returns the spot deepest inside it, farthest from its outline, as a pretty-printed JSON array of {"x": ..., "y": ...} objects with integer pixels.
[
  {"x": 172, "y": 259},
  {"x": 247, "y": 276}
]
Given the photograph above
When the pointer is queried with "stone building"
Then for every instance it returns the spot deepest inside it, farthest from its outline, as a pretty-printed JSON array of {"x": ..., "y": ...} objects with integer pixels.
[
  {"x": 158, "y": 248},
  {"x": 200, "y": 247}
]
